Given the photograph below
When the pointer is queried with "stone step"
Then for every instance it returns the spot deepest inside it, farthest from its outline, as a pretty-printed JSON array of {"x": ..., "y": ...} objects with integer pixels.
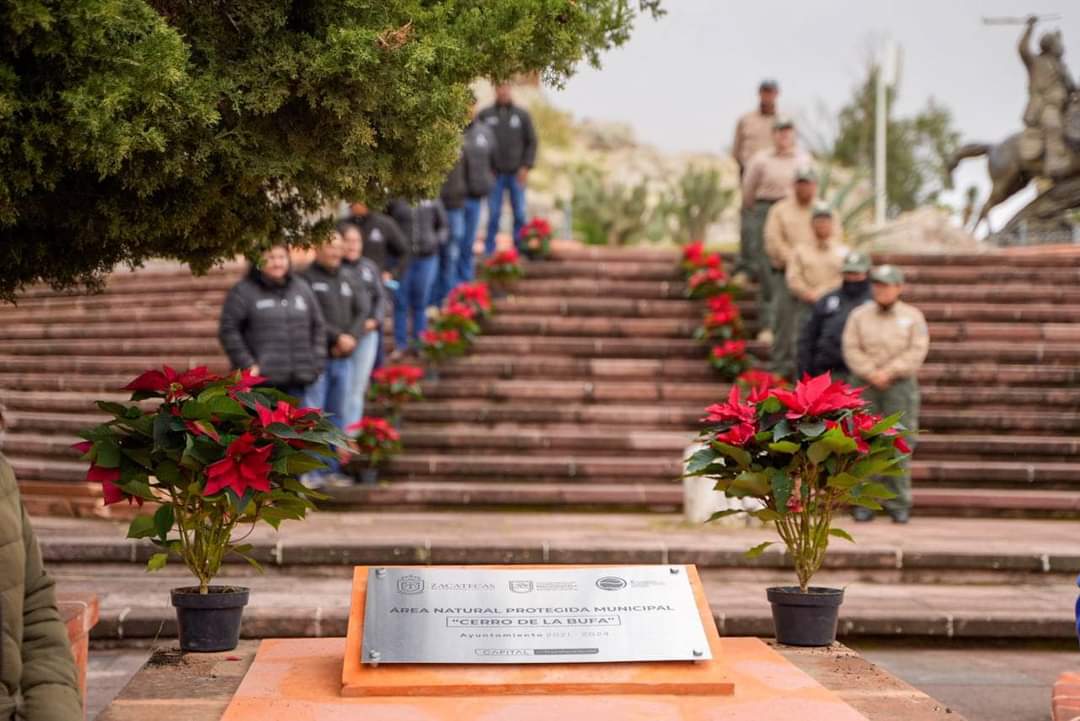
[{"x": 662, "y": 270}]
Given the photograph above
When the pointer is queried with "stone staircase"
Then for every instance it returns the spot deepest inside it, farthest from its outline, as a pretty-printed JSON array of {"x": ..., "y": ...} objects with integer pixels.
[{"x": 586, "y": 386}]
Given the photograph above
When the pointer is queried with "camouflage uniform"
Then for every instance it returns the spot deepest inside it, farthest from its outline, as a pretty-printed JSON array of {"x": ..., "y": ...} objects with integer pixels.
[{"x": 895, "y": 340}]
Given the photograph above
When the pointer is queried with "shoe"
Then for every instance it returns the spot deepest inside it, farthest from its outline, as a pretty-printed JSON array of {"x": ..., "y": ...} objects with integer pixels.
[
  {"x": 338, "y": 480},
  {"x": 862, "y": 515},
  {"x": 765, "y": 336},
  {"x": 901, "y": 516},
  {"x": 740, "y": 280},
  {"x": 313, "y": 481}
]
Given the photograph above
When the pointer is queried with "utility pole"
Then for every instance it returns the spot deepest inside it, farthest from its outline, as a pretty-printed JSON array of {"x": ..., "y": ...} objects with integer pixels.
[{"x": 886, "y": 78}]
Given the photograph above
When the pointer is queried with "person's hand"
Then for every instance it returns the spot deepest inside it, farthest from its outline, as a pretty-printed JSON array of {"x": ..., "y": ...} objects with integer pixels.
[
  {"x": 370, "y": 325},
  {"x": 1032, "y": 20},
  {"x": 387, "y": 275},
  {"x": 523, "y": 175},
  {"x": 345, "y": 344},
  {"x": 254, "y": 370},
  {"x": 879, "y": 379}
]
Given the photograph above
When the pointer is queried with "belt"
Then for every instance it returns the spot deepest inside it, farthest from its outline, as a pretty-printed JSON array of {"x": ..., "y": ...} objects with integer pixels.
[{"x": 770, "y": 201}]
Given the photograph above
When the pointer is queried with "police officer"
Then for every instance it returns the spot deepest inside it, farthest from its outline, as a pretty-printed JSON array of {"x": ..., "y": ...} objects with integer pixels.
[
  {"x": 787, "y": 225},
  {"x": 813, "y": 269},
  {"x": 769, "y": 177},
  {"x": 821, "y": 339},
  {"x": 885, "y": 344}
]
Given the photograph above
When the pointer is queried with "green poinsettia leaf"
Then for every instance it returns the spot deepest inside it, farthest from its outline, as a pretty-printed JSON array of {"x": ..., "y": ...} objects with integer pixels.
[
  {"x": 758, "y": 549},
  {"x": 841, "y": 533},
  {"x": 724, "y": 514}
]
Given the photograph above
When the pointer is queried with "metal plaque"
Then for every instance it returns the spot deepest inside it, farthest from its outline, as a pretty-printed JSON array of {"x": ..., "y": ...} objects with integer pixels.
[{"x": 515, "y": 616}]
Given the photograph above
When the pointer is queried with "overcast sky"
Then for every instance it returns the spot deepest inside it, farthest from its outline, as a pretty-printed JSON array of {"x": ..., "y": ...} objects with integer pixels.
[{"x": 682, "y": 81}]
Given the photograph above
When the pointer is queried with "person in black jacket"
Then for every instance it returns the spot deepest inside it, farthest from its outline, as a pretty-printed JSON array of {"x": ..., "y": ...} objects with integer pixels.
[
  {"x": 344, "y": 314},
  {"x": 272, "y": 325},
  {"x": 425, "y": 229},
  {"x": 384, "y": 243},
  {"x": 821, "y": 338},
  {"x": 369, "y": 287},
  {"x": 515, "y": 155},
  {"x": 469, "y": 183}
]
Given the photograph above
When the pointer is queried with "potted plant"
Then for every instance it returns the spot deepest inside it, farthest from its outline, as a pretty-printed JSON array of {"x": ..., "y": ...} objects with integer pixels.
[
  {"x": 437, "y": 345},
  {"x": 216, "y": 453},
  {"x": 377, "y": 442},
  {"x": 460, "y": 317},
  {"x": 475, "y": 295},
  {"x": 729, "y": 359},
  {"x": 804, "y": 454},
  {"x": 708, "y": 282},
  {"x": 535, "y": 238},
  {"x": 694, "y": 258},
  {"x": 722, "y": 321},
  {"x": 392, "y": 387},
  {"x": 502, "y": 269}
]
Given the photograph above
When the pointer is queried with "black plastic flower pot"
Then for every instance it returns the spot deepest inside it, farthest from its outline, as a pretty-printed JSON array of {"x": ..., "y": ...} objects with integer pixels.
[
  {"x": 805, "y": 619},
  {"x": 210, "y": 622},
  {"x": 369, "y": 475}
]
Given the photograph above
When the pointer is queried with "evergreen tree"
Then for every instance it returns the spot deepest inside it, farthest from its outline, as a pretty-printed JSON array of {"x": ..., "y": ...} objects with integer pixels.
[{"x": 198, "y": 129}]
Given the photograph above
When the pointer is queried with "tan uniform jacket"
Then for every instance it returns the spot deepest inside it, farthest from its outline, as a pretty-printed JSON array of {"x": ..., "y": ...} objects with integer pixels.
[
  {"x": 771, "y": 176},
  {"x": 753, "y": 132},
  {"x": 813, "y": 270},
  {"x": 787, "y": 226},
  {"x": 894, "y": 340}
]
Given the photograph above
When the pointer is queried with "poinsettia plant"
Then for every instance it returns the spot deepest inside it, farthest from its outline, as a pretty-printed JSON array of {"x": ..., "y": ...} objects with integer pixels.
[
  {"x": 535, "y": 238},
  {"x": 216, "y": 453},
  {"x": 503, "y": 268},
  {"x": 730, "y": 359},
  {"x": 394, "y": 386},
  {"x": 709, "y": 282},
  {"x": 376, "y": 440},
  {"x": 439, "y": 345},
  {"x": 804, "y": 454},
  {"x": 457, "y": 316},
  {"x": 722, "y": 320},
  {"x": 695, "y": 258},
  {"x": 475, "y": 295}
]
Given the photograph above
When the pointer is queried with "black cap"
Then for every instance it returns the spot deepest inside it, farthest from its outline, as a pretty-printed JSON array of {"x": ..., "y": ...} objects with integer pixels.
[{"x": 769, "y": 84}]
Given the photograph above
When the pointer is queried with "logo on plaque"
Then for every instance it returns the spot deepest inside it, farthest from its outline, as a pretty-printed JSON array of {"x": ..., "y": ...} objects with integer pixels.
[
  {"x": 410, "y": 585},
  {"x": 610, "y": 583},
  {"x": 521, "y": 586}
]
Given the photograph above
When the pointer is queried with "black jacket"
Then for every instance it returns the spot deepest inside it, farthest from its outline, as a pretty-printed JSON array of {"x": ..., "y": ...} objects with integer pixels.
[
  {"x": 383, "y": 242},
  {"x": 343, "y": 306},
  {"x": 473, "y": 175},
  {"x": 280, "y": 328},
  {"x": 515, "y": 138},
  {"x": 821, "y": 339},
  {"x": 424, "y": 225},
  {"x": 369, "y": 283}
]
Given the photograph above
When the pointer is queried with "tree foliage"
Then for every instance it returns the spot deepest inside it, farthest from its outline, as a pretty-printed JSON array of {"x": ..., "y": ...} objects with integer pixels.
[
  {"x": 917, "y": 147},
  {"x": 198, "y": 129}
]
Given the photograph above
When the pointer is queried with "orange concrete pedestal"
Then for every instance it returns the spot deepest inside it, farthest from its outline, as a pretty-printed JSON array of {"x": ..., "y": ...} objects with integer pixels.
[{"x": 300, "y": 679}]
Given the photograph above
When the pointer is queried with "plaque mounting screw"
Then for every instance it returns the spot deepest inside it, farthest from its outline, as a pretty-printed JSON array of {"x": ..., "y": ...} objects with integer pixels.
[
  {"x": 380, "y": 573},
  {"x": 375, "y": 655},
  {"x": 673, "y": 571},
  {"x": 698, "y": 653}
]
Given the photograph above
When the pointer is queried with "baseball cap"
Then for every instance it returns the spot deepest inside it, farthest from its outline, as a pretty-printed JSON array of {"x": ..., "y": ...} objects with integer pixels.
[
  {"x": 855, "y": 262},
  {"x": 783, "y": 121},
  {"x": 887, "y": 275},
  {"x": 806, "y": 173},
  {"x": 822, "y": 210},
  {"x": 769, "y": 84}
]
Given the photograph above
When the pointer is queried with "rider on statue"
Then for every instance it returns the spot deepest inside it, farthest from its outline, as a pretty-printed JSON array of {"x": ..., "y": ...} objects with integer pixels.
[{"x": 1049, "y": 88}]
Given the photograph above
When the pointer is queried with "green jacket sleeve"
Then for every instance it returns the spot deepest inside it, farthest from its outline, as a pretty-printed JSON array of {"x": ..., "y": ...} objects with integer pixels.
[{"x": 49, "y": 686}]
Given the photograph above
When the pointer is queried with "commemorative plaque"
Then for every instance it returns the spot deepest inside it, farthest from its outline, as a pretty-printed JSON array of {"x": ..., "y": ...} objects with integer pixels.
[{"x": 531, "y": 615}]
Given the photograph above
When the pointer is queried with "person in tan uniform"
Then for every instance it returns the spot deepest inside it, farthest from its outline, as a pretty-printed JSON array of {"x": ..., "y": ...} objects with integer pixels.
[
  {"x": 770, "y": 177},
  {"x": 1049, "y": 88},
  {"x": 753, "y": 131},
  {"x": 787, "y": 225},
  {"x": 813, "y": 269},
  {"x": 885, "y": 345}
]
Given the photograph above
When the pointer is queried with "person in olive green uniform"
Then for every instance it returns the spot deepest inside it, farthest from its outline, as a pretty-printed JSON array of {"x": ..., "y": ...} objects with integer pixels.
[
  {"x": 37, "y": 672},
  {"x": 885, "y": 345}
]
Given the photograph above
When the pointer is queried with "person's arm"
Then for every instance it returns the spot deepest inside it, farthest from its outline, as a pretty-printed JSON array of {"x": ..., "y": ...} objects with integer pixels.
[
  {"x": 331, "y": 330},
  {"x": 737, "y": 145},
  {"x": 529, "y": 140},
  {"x": 775, "y": 247},
  {"x": 356, "y": 302},
  {"x": 856, "y": 358},
  {"x": 317, "y": 328},
  {"x": 808, "y": 339},
  {"x": 907, "y": 363},
  {"x": 49, "y": 685},
  {"x": 234, "y": 316},
  {"x": 793, "y": 275},
  {"x": 379, "y": 300},
  {"x": 442, "y": 223},
  {"x": 395, "y": 238},
  {"x": 750, "y": 183},
  {"x": 1025, "y": 43}
]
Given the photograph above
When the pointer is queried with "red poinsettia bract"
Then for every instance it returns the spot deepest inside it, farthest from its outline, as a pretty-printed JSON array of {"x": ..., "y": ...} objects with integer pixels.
[
  {"x": 460, "y": 309},
  {"x": 244, "y": 466},
  {"x": 818, "y": 396},
  {"x": 399, "y": 373},
  {"x": 734, "y": 409},
  {"x": 730, "y": 349},
  {"x": 173, "y": 384}
]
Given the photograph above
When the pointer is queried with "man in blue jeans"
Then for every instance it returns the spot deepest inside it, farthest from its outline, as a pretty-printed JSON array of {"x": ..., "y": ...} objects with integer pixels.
[
  {"x": 344, "y": 318},
  {"x": 469, "y": 183},
  {"x": 515, "y": 155},
  {"x": 426, "y": 230},
  {"x": 368, "y": 284}
]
